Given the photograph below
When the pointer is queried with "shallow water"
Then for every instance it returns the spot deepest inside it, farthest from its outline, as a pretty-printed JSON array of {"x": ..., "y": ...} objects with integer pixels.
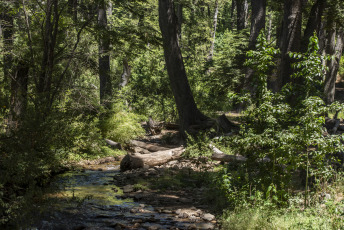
[{"x": 87, "y": 200}]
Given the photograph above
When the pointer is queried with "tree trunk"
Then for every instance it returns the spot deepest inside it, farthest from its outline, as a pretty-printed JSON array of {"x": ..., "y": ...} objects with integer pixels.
[
  {"x": 269, "y": 29},
  {"x": 257, "y": 21},
  {"x": 104, "y": 58},
  {"x": 138, "y": 160},
  {"x": 186, "y": 106},
  {"x": 233, "y": 8},
  {"x": 242, "y": 11},
  {"x": 126, "y": 73},
  {"x": 213, "y": 34},
  {"x": 291, "y": 38},
  {"x": 180, "y": 20},
  {"x": 44, "y": 82},
  {"x": 7, "y": 32},
  {"x": 314, "y": 23},
  {"x": 19, "y": 84},
  {"x": 257, "y": 24},
  {"x": 335, "y": 49}
]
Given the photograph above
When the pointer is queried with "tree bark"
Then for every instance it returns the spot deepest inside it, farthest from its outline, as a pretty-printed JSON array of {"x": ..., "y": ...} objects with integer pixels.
[
  {"x": 138, "y": 160},
  {"x": 314, "y": 23},
  {"x": 44, "y": 82},
  {"x": 213, "y": 34},
  {"x": 186, "y": 106},
  {"x": 7, "y": 32},
  {"x": 257, "y": 24},
  {"x": 126, "y": 73},
  {"x": 291, "y": 38},
  {"x": 19, "y": 84},
  {"x": 104, "y": 57},
  {"x": 257, "y": 21},
  {"x": 335, "y": 49},
  {"x": 268, "y": 33},
  {"x": 242, "y": 11}
]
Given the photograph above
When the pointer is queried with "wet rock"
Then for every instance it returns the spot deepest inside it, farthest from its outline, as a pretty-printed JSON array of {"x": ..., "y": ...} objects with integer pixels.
[
  {"x": 205, "y": 226},
  {"x": 208, "y": 217},
  {"x": 167, "y": 211},
  {"x": 192, "y": 226},
  {"x": 128, "y": 188}
]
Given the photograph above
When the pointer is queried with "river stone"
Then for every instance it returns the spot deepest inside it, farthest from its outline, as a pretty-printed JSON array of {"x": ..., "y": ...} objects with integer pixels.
[
  {"x": 128, "y": 188},
  {"x": 208, "y": 217},
  {"x": 205, "y": 226}
]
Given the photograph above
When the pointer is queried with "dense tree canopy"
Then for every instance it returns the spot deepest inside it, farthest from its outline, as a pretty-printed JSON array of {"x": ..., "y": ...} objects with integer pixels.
[{"x": 71, "y": 70}]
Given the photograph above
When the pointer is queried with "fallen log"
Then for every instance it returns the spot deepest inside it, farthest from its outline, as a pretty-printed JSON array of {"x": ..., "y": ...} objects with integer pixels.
[
  {"x": 113, "y": 144},
  {"x": 218, "y": 155},
  {"x": 149, "y": 146},
  {"x": 138, "y": 160}
]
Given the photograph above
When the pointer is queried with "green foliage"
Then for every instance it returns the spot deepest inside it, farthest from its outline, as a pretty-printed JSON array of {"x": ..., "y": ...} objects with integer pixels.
[
  {"x": 281, "y": 139},
  {"x": 198, "y": 146},
  {"x": 309, "y": 70},
  {"x": 122, "y": 125},
  {"x": 261, "y": 60}
]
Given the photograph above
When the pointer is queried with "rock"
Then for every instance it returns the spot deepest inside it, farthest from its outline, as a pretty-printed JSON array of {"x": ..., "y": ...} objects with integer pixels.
[
  {"x": 128, "y": 188},
  {"x": 178, "y": 211},
  {"x": 205, "y": 226},
  {"x": 208, "y": 217}
]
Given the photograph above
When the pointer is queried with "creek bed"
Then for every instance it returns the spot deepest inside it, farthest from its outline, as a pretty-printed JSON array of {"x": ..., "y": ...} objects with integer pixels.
[{"x": 87, "y": 199}]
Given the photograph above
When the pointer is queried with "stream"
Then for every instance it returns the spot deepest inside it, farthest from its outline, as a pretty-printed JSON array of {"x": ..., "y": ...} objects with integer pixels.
[{"x": 89, "y": 199}]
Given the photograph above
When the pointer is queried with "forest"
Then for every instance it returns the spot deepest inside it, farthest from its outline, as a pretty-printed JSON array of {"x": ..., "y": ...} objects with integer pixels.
[{"x": 171, "y": 114}]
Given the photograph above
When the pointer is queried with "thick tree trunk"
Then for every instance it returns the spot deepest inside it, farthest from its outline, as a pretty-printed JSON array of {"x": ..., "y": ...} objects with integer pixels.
[
  {"x": 314, "y": 23},
  {"x": 291, "y": 38},
  {"x": 187, "y": 109},
  {"x": 104, "y": 58},
  {"x": 257, "y": 21},
  {"x": 213, "y": 34},
  {"x": 257, "y": 24},
  {"x": 179, "y": 20},
  {"x": 335, "y": 49},
  {"x": 242, "y": 11}
]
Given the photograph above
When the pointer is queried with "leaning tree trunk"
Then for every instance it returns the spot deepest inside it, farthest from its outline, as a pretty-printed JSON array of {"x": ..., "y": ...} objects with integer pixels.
[
  {"x": 290, "y": 39},
  {"x": 104, "y": 58},
  {"x": 186, "y": 106},
  {"x": 314, "y": 23},
  {"x": 335, "y": 49}
]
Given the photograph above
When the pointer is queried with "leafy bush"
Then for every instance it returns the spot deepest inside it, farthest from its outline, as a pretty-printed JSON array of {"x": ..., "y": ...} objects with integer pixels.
[
  {"x": 282, "y": 139},
  {"x": 122, "y": 125}
]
